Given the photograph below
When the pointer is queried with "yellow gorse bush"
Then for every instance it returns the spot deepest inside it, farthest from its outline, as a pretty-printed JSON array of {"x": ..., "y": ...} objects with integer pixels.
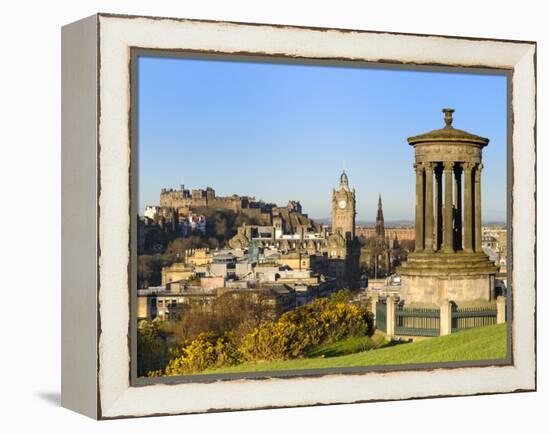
[
  {"x": 291, "y": 336},
  {"x": 206, "y": 351}
]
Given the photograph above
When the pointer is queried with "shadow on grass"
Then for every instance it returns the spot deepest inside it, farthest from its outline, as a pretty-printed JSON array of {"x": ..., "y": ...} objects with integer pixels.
[
  {"x": 352, "y": 346},
  {"x": 395, "y": 342}
]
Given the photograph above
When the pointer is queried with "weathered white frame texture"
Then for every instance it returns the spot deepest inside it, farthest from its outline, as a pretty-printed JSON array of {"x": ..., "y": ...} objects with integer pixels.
[{"x": 96, "y": 216}]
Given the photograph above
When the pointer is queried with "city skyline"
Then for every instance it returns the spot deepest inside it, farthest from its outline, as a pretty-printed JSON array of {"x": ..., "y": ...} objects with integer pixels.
[{"x": 283, "y": 132}]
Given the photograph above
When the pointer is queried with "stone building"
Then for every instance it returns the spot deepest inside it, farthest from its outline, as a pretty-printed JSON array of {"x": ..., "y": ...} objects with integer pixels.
[
  {"x": 343, "y": 248},
  {"x": 297, "y": 237},
  {"x": 200, "y": 198},
  {"x": 379, "y": 255},
  {"x": 343, "y": 209},
  {"x": 187, "y": 201},
  {"x": 286, "y": 263},
  {"x": 175, "y": 272},
  {"x": 494, "y": 242},
  {"x": 448, "y": 261},
  {"x": 198, "y": 257},
  {"x": 402, "y": 233},
  {"x": 295, "y": 260},
  {"x": 170, "y": 302},
  {"x": 180, "y": 210},
  {"x": 290, "y": 229}
]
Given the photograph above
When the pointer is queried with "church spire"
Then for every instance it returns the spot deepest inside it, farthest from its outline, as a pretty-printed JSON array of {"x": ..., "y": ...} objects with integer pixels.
[
  {"x": 344, "y": 180},
  {"x": 380, "y": 213},
  {"x": 380, "y": 232}
]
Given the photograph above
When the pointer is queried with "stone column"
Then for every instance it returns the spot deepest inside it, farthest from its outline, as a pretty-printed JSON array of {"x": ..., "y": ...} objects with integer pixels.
[
  {"x": 373, "y": 302},
  {"x": 477, "y": 218},
  {"x": 501, "y": 309},
  {"x": 448, "y": 217},
  {"x": 429, "y": 212},
  {"x": 391, "y": 304},
  {"x": 458, "y": 207},
  {"x": 445, "y": 318},
  {"x": 419, "y": 218},
  {"x": 438, "y": 207},
  {"x": 468, "y": 222}
]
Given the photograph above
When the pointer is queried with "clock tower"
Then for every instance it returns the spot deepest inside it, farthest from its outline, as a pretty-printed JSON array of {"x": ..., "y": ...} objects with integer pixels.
[{"x": 343, "y": 209}]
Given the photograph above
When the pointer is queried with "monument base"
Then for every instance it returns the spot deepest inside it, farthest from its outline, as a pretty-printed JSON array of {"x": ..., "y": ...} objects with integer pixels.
[{"x": 432, "y": 277}]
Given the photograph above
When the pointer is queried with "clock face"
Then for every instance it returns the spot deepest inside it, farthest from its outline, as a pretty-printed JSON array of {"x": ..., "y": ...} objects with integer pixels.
[{"x": 342, "y": 204}]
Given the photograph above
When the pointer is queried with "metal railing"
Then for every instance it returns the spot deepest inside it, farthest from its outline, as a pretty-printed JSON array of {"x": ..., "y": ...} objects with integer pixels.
[
  {"x": 472, "y": 317},
  {"x": 416, "y": 321}
]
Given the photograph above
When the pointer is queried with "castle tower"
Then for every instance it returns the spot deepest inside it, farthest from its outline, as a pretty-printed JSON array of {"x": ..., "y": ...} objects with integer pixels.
[
  {"x": 379, "y": 227},
  {"x": 448, "y": 261},
  {"x": 343, "y": 209}
]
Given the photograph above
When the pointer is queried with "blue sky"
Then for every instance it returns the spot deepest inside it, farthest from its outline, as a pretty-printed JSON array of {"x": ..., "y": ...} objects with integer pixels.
[{"x": 285, "y": 131}]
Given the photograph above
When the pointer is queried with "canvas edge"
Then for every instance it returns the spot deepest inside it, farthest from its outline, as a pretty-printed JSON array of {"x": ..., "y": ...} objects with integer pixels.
[
  {"x": 526, "y": 67},
  {"x": 79, "y": 306}
]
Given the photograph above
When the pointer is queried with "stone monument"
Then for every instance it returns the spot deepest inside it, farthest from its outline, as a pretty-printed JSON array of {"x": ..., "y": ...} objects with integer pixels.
[{"x": 448, "y": 262}]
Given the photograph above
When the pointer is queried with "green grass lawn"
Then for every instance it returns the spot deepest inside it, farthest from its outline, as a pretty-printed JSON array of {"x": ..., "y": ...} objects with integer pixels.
[
  {"x": 475, "y": 344},
  {"x": 352, "y": 345}
]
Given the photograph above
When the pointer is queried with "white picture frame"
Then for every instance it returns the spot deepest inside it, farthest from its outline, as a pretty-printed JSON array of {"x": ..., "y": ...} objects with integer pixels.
[{"x": 96, "y": 160}]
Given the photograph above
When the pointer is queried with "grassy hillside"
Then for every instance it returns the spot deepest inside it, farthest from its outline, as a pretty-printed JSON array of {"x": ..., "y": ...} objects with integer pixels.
[
  {"x": 476, "y": 344},
  {"x": 351, "y": 345}
]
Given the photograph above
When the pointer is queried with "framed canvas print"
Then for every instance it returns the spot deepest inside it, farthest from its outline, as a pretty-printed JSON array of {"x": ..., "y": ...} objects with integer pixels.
[{"x": 262, "y": 216}]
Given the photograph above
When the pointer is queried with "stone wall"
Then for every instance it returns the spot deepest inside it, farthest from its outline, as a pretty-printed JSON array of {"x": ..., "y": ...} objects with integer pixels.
[{"x": 435, "y": 289}]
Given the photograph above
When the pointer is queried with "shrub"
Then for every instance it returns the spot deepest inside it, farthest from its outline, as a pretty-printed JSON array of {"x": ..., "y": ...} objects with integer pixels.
[
  {"x": 291, "y": 336},
  {"x": 295, "y": 332},
  {"x": 229, "y": 313},
  {"x": 272, "y": 340},
  {"x": 153, "y": 350},
  {"x": 206, "y": 351},
  {"x": 329, "y": 320}
]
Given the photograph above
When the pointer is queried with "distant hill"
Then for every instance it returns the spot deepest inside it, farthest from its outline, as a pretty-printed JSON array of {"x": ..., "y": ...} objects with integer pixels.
[
  {"x": 370, "y": 223},
  {"x": 398, "y": 223}
]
